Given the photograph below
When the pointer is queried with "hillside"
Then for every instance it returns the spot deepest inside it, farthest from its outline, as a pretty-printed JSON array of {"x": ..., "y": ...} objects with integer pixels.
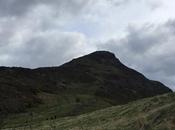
[
  {"x": 88, "y": 83},
  {"x": 156, "y": 113}
]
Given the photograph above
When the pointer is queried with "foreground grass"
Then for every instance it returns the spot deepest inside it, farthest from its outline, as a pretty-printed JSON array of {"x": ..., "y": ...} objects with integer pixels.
[{"x": 157, "y": 113}]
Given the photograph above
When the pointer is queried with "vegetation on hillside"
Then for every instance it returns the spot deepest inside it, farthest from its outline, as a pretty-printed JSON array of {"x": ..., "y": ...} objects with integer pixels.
[
  {"x": 100, "y": 75},
  {"x": 156, "y": 113}
]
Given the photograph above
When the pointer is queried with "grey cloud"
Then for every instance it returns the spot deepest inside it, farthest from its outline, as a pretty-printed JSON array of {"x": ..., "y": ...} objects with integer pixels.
[
  {"x": 171, "y": 25},
  {"x": 15, "y": 7},
  {"x": 141, "y": 40},
  {"x": 153, "y": 4},
  {"x": 149, "y": 49},
  {"x": 10, "y": 8},
  {"x": 119, "y": 2}
]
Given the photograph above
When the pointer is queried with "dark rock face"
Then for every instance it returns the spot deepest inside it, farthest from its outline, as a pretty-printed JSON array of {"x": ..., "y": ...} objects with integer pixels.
[{"x": 99, "y": 73}]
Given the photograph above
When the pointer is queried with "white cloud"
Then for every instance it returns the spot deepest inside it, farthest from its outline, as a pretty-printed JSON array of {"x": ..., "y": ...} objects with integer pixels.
[{"x": 45, "y": 49}]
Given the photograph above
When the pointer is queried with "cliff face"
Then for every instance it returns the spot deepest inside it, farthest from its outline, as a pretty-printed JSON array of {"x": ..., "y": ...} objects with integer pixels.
[{"x": 99, "y": 74}]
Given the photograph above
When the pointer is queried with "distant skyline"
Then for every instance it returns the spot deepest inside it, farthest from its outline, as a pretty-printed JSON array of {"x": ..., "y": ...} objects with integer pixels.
[{"x": 141, "y": 33}]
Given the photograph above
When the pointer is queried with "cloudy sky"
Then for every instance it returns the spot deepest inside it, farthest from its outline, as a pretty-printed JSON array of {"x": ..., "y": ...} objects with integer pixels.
[{"x": 35, "y": 33}]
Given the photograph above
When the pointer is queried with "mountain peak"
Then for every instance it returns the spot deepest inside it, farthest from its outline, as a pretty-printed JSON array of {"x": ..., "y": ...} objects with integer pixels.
[{"x": 102, "y": 55}]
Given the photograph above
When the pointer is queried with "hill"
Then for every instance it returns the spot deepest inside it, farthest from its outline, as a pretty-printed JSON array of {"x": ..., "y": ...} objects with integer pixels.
[
  {"x": 155, "y": 113},
  {"x": 88, "y": 83}
]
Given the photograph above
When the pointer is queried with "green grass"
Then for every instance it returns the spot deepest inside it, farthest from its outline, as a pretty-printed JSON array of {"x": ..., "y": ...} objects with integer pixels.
[
  {"x": 156, "y": 113},
  {"x": 56, "y": 106}
]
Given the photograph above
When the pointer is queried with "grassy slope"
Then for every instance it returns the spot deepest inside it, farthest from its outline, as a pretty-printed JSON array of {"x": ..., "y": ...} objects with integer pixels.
[{"x": 157, "y": 113}]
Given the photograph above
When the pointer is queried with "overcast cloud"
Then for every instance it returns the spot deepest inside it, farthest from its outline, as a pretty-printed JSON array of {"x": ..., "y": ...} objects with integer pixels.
[{"x": 35, "y": 33}]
